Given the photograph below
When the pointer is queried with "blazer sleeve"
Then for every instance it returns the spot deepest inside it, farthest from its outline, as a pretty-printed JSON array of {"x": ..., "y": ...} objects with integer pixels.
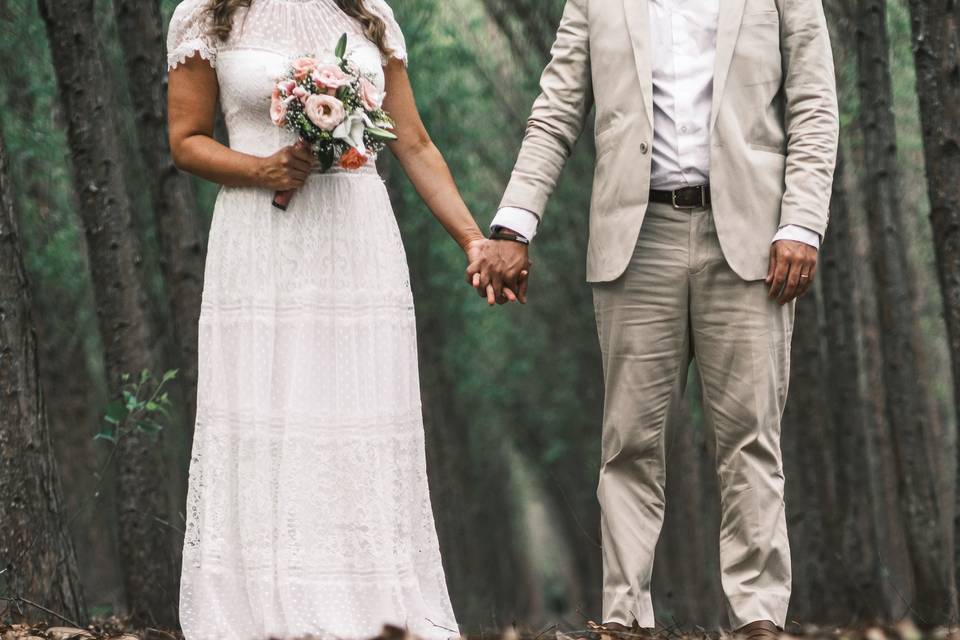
[
  {"x": 812, "y": 118},
  {"x": 558, "y": 115}
]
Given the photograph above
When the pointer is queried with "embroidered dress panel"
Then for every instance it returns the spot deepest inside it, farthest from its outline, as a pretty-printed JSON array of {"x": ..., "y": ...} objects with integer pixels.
[{"x": 308, "y": 509}]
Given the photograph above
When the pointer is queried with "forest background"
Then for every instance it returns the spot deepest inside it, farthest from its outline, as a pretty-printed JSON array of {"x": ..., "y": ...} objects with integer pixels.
[{"x": 101, "y": 256}]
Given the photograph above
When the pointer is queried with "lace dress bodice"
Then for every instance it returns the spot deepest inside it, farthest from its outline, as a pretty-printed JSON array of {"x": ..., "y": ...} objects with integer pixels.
[{"x": 266, "y": 37}]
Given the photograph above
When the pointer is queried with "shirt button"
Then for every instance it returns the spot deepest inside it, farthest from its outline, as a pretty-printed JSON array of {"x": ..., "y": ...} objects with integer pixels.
[
  {"x": 683, "y": 129},
  {"x": 643, "y": 147}
]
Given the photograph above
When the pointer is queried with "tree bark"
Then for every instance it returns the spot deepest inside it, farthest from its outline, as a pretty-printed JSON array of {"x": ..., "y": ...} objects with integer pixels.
[
  {"x": 858, "y": 551},
  {"x": 140, "y": 27},
  {"x": 929, "y": 546},
  {"x": 936, "y": 48},
  {"x": 129, "y": 342},
  {"x": 35, "y": 548},
  {"x": 810, "y": 460}
]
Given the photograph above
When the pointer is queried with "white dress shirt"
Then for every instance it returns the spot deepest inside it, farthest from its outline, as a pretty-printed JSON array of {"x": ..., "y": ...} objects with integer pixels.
[{"x": 684, "y": 47}]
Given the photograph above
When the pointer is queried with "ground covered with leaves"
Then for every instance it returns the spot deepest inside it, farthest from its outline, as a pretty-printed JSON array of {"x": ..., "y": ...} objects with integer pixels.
[{"x": 117, "y": 629}]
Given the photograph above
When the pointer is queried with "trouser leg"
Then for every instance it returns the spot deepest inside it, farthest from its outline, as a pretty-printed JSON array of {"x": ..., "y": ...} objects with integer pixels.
[
  {"x": 741, "y": 342},
  {"x": 642, "y": 322}
]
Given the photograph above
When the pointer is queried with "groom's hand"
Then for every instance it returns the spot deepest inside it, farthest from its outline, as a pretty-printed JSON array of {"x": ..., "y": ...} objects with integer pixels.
[
  {"x": 499, "y": 270},
  {"x": 792, "y": 268}
]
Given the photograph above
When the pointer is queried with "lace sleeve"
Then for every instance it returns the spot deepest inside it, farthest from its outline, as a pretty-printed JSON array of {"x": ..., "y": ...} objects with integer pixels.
[
  {"x": 395, "y": 40},
  {"x": 189, "y": 34}
]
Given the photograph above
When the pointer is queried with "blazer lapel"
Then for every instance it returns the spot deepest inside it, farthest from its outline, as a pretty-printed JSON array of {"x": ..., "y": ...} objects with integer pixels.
[
  {"x": 637, "y": 13},
  {"x": 728, "y": 28}
]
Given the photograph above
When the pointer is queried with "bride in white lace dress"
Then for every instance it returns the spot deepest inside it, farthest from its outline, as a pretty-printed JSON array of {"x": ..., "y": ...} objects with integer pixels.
[{"x": 308, "y": 509}]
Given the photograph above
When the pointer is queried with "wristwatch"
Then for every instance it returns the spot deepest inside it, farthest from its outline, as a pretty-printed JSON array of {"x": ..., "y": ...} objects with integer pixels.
[{"x": 502, "y": 233}]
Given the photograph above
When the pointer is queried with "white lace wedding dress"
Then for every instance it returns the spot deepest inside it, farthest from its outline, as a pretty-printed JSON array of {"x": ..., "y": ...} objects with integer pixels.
[{"x": 308, "y": 508}]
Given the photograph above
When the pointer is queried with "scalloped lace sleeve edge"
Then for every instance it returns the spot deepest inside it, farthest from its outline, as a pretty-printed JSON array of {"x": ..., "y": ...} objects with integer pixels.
[{"x": 188, "y": 49}]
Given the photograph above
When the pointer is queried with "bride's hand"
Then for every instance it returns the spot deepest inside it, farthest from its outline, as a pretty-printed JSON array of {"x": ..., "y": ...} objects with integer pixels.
[
  {"x": 287, "y": 169},
  {"x": 495, "y": 275}
]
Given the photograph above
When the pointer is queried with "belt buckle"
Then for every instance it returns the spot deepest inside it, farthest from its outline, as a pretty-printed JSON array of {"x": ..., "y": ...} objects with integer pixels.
[{"x": 703, "y": 199}]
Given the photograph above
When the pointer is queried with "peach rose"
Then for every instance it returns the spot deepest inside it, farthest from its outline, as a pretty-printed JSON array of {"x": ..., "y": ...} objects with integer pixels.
[
  {"x": 303, "y": 67},
  {"x": 324, "y": 111},
  {"x": 353, "y": 159},
  {"x": 371, "y": 97},
  {"x": 286, "y": 87},
  {"x": 330, "y": 77},
  {"x": 278, "y": 107}
]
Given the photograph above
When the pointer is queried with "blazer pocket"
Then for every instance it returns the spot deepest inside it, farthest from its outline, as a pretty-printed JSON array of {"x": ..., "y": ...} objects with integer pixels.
[
  {"x": 761, "y": 17},
  {"x": 776, "y": 150}
]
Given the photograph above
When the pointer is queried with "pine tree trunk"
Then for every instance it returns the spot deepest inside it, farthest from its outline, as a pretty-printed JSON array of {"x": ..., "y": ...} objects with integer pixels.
[
  {"x": 929, "y": 547},
  {"x": 858, "y": 551},
  {"x": 140, "y": 27},
  {"x": 810, "y": 460},
  {"x": 936, "y": 39},
  {"x": 145, "y": 537},
  {"x": 35, "y": 548}
]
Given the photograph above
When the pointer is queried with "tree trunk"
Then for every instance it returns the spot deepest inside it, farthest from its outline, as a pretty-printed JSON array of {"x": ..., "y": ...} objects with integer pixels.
[
  {"x": 35, "y": 548},
  {"x": 936, "y": 39},
  {"x": 811, "y": 493},
  {"x": 858, "y": 552},
  {"x": 927, "y": 541},
  {"x": 115, "y": 262},
  {"x": 140, "y": 27}
]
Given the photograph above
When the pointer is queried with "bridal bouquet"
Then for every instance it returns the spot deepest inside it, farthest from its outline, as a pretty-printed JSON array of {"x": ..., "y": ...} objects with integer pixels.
[{"x": 336, "y": 111}]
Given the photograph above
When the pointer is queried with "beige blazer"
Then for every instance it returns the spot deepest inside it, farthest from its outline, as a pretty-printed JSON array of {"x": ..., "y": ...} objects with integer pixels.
[{"x": 774, "y": 126}]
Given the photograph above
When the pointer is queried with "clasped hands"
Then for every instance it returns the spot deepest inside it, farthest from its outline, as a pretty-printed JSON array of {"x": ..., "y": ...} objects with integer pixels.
[{"x": 499, "y": 270}]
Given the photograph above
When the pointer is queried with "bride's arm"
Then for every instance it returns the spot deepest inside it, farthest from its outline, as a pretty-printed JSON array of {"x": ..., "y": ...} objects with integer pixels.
[
  {"x": 424, "y": 165},
  {"x": 191, "y": 105}
]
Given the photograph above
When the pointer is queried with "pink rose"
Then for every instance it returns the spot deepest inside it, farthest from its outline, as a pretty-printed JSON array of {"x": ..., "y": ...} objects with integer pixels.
[
  {"x": 287, "y": 86},
  {"x": 371, "y": 97},
  {"x": 278, "y": 107},
  {"x": 330, "y": 77},
  {"x": 325, "y": 111},
  {"x": 303, "y": 67},
  {"x": 300, "y": 93}
]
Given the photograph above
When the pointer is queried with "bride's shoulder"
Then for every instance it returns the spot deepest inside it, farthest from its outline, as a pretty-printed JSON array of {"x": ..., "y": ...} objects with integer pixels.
[
  {"x": 394, "y": 34},
  {"x": 190, "y": 33}
]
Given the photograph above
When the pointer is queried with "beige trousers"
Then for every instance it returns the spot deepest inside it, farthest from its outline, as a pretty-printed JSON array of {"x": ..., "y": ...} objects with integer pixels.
[{"x": 680, "y": 300}]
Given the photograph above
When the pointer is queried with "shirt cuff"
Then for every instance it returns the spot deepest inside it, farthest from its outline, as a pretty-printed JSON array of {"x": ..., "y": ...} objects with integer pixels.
[
  {"x": 517, "y": 220},
  {"x": 798, "y": 234}
]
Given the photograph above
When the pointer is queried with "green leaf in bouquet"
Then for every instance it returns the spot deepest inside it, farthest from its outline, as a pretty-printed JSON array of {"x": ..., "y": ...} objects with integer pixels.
[
  {"x": 341, "y": 49},
  {"x": 381, "y": 134},
  {"x": 325, "y": 157}
]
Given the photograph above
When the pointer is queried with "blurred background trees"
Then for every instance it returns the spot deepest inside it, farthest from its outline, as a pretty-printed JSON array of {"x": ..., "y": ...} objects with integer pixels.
[{"x": 113, "y": 240}]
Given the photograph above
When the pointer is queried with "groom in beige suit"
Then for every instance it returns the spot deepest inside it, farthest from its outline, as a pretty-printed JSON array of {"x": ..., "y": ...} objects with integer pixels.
[{"x": 716, "y": 135}]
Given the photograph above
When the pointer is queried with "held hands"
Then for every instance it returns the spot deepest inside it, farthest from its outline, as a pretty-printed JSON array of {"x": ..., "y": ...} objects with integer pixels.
[
  {"x": 499, "y": 270},
  {"x": 792, "y": 268}
]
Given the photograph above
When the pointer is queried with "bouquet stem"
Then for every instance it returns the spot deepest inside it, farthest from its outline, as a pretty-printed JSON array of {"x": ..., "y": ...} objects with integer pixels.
[{"x": 281, "y": 199}]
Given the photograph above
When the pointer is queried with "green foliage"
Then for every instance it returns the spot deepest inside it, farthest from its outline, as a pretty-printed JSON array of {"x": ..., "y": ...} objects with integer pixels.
[{"x": 143, "y": 406}]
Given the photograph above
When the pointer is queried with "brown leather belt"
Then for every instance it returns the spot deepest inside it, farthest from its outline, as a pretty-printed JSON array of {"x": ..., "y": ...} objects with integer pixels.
[{"x": 685, "y": 198}]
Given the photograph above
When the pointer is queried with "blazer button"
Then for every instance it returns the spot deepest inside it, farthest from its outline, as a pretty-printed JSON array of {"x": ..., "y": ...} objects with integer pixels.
[{"x": 643, "y": 147}]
